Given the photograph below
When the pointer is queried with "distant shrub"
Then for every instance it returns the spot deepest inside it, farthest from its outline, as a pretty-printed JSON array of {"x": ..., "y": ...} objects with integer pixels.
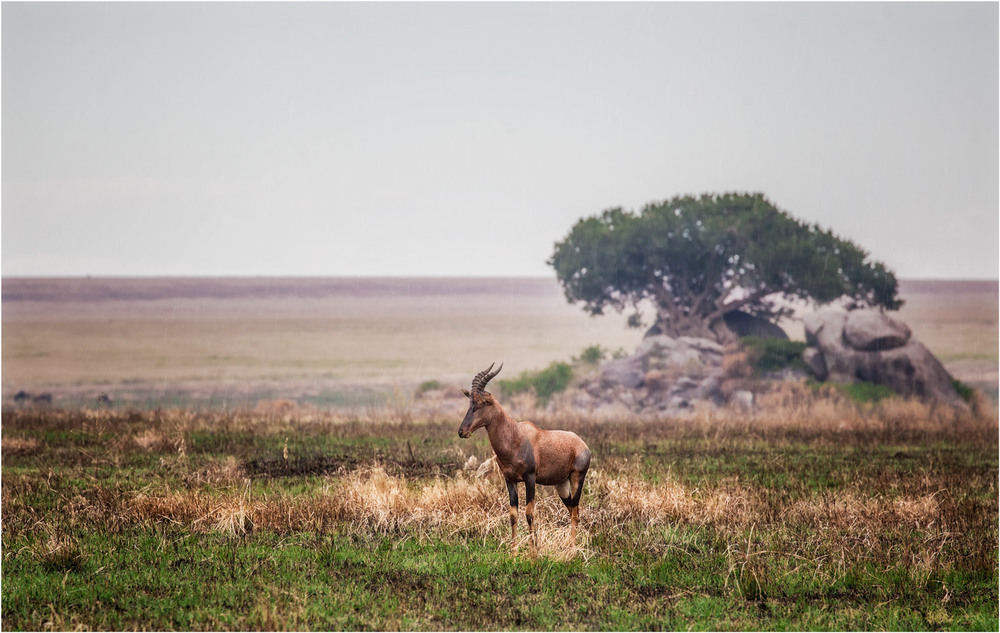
[
  {"x": 592, "y": 355},
  {"x": 427, "y": 385},
  {"x": 773, "y": 354},
  {"x": 545, "y": 383},
  {"x": 966, "y": 392}
]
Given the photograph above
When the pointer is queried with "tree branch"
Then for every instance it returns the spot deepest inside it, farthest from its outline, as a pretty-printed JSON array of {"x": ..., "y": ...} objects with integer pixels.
[{"x": 739, "y": 303}]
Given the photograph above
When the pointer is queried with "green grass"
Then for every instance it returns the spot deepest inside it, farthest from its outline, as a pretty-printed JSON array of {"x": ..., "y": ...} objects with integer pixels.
[
  {"x": 544, "y": 383},
  {"x": 772, "y": 354},
  {"x": 873, "y": 518},
  {"x": 866, "y": 392},
  {"x": 176, "y": 580}
]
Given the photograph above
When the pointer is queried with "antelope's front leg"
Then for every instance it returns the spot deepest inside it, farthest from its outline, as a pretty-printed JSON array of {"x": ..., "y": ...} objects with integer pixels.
[
  {"x": 529, "y": 510},
  {"x": 512, "y": 491}
]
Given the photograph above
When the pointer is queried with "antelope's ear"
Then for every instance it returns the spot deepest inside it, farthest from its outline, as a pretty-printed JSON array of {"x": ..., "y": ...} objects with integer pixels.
[
  {"x": 465, "y": 392},
  {"x": 488, "y": 397}
]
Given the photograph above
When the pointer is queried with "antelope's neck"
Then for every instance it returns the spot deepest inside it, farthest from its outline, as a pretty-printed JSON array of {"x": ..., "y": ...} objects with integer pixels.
[{"x": 504, "y": 437}]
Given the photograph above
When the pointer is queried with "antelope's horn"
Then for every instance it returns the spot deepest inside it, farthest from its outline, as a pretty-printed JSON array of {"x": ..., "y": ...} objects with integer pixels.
[
  {"x": 477, "y": 382},
  {"x": 489, "y": 375}
]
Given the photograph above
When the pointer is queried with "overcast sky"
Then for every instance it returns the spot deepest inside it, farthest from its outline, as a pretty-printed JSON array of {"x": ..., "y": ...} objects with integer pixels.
[{"x": 465, "y": 139}]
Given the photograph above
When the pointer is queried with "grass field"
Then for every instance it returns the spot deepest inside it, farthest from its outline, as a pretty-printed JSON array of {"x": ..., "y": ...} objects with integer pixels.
[
  {"x": 353, "y": 342},
  {"x": 818, "y": 515},
  {"x": 309, "y": 494}
]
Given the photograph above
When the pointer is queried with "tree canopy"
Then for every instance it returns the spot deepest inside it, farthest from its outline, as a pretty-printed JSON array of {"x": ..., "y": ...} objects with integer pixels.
[{"x": 698, "y": 258}]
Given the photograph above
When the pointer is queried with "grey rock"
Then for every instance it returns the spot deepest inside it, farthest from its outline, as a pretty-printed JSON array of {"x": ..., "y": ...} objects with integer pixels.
[
  {"x": 685, "y": 383},
  {"x": 677, "y": 402},
  {"x": 627, "y": 372},
  {"x": 743, "y": 400},
  {"x": 825, "y": 328},
  {"x": 909, "y": 369},
  {"x": 813, "y": 358},
  {"x": 583, "y": 400},
  {"x": 687, "y": 357},
  {"x": 657, "y": 381},
  {"x": 825, "y": 332},
  {"x": 709, "y": 388},
  {"x": 873, "y": 331},
  {"x": 701, "y": 344},
  {"x": 655, "y": 345}
]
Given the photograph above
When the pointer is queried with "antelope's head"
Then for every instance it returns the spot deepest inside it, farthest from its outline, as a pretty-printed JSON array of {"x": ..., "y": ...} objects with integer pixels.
[{"x": 481, "y": 403}]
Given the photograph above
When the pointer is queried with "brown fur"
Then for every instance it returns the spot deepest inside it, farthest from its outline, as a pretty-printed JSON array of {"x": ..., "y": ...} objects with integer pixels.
[{"x": 528, "y": 454}]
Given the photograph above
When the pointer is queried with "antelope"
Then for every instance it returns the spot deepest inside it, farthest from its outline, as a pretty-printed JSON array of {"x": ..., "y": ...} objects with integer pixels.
[{"x": 527, "y": 453}]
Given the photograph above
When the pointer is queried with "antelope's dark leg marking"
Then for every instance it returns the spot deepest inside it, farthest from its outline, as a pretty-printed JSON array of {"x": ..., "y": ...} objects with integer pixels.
[
  {"x": 582, "y": 465},
  {"x": 512, "y": 492},
  {"x": 529, "y": 507}
]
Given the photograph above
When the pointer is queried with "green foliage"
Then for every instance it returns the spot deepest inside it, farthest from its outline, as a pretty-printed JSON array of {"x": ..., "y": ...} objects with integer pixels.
[
  {"x": 545, "y": 383},
  {"x": 592, "y": 355},
  {"x": 428, "y": 385},
  {"x": 773, "y": 354},
  {"x": 698, "y": 258},
  {"x": 966, "y": 392}
]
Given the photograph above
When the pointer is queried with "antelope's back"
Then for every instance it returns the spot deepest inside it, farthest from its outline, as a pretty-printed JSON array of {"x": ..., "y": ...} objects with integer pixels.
[{"x": 558, "y": 454}]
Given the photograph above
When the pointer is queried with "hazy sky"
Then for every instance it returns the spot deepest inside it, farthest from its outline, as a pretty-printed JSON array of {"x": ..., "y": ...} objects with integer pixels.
[{"x": 465, "y": 139}]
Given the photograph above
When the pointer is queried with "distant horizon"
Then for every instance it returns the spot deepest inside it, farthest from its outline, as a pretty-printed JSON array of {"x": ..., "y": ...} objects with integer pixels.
[{"x": 398, "y": 276}]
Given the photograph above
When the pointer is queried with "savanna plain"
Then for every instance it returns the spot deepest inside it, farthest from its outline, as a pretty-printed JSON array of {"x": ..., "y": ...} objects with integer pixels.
[{"x": 265, "y": 463}]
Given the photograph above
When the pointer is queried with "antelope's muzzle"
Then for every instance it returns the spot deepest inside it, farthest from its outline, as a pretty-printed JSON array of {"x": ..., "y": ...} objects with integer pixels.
[{"x": 465, "y": 430}]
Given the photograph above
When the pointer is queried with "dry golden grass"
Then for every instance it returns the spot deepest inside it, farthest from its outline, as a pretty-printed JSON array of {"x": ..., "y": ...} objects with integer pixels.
[
  {"x": 20, "y": 445},
  {"x": 371, "y": 500}
]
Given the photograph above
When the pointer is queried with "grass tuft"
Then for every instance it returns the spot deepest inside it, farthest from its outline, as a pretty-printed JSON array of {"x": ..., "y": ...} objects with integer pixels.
[
  {"x": 772, "y": 354},
  {"x": 544, "y": 383}
]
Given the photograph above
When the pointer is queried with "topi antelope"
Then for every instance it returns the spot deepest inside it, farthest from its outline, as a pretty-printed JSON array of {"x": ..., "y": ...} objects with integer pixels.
[{"x": 527, "y": 453}]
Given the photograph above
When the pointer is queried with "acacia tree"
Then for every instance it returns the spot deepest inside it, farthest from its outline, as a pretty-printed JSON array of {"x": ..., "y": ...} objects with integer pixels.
[{"x": 697, "y": 259}]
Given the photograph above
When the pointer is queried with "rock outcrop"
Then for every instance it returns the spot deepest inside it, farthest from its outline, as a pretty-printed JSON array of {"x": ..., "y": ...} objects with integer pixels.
[
  {"x": 869, "y": 346},
  {"x": 873, "y": 331},
  {"x": 664, "y": 374}
]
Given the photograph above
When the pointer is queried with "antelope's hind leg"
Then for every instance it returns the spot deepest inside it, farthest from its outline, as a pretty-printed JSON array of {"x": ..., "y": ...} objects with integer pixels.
[
  {"x": 570, "y": 492},
  {"x": 565, "y": 492}
]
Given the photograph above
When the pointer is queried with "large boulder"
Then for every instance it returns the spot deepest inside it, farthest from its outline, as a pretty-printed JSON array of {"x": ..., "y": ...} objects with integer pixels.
[
  {"x": 626, "y": 372},
  {"x": 825, "y": 328},
  {"x": 825, "y": 333},
  {"x": 873, "y": 331},
  {"x": 868, "y": 346},
  {"x": 815, "y": 363},
  {"x": 910, "y": 370}
]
